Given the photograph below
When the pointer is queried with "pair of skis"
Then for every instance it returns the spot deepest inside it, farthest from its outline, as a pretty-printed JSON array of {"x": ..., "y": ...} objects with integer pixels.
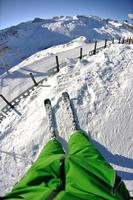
[{"x": 68, "y": 108}]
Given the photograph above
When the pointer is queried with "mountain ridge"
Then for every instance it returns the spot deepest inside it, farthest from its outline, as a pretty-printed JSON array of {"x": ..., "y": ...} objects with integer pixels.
[{"x": 23, "y": 40}]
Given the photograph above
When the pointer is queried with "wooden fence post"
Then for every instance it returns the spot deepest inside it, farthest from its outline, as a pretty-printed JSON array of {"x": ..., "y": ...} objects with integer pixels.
[
  {"x": 95, "y": 48},
  {"x": 57, "y": 63},
  {"x": 8, "y": 103},
  {"x": 33, "y": 79},
  {"x": 6, "y": 68},
  {"x": 105, "y": 45},
  {"x": 123, "y": 40},
  {"x": 113, "y": 40},
  {"x": 119, "y": 40},
  {"x": 81, "y": 51},
  {"x": 129, "y": 40}
]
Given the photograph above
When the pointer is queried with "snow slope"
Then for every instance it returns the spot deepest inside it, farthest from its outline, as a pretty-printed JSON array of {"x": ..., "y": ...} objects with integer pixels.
[
  {"x": 101, "y": 88},
  {"x": 19, "y": 42},
  {"x": 18, "y": 79}
]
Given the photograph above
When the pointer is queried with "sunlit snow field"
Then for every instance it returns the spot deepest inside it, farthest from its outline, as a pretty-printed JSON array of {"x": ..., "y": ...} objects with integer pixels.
[{"x": 101, "y": 89}]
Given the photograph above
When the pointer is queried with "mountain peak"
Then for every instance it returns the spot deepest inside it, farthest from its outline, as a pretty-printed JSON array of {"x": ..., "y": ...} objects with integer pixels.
[{"x": 30, "y": 37}]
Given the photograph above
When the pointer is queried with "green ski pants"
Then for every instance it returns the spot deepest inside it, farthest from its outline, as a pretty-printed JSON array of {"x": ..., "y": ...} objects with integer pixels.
[{"x": 86, "y": 173}]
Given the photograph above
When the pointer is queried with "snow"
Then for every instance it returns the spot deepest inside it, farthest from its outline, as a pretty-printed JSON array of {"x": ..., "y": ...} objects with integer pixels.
[
  {"x": 116, "y": 24},
  {"x": 19, "y": 42},
  {"x": 18, "y": 79},
  {"x": 100, "y": 87}
]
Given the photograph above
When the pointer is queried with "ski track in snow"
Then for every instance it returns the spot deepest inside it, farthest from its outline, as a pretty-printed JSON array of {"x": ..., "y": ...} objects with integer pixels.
[{"x": 101, "y": 90}]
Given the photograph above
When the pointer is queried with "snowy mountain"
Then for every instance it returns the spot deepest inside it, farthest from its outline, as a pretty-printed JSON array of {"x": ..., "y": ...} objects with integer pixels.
[
  {"x": 100, "y": 87},
  {"x": 19, "y": 42}
]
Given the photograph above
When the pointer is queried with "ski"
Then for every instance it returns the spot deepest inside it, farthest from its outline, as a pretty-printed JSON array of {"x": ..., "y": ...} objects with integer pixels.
[
  {"x": 68, "y": 109},
  {"x": 50, "y": 117}
]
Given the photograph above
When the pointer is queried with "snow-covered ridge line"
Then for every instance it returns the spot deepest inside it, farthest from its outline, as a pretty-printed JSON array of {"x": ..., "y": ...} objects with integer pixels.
[
  {"x": 15, "y": 101},
  {"x": 25, "y": 39}
]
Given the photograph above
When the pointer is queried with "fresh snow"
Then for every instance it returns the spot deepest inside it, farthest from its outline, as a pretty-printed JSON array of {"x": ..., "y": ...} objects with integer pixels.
[
  {"x": 18, "y": 79},
  {"x": 101, "y": 89},
  {"x": 19, "y": 42}
]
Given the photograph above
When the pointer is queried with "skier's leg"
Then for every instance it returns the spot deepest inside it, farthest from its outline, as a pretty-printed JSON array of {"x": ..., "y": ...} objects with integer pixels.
[
  {"x": 51, "y": 148},
  {"x": 79, "y": 144},
  {"x": 45, "y": 168},
  {"x": 45, "y": 172},
  {"x": 51, "y": 151}
]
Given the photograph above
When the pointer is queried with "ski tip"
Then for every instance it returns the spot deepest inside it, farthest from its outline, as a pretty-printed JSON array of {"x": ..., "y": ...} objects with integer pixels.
[{"x": 47, "y": 101}]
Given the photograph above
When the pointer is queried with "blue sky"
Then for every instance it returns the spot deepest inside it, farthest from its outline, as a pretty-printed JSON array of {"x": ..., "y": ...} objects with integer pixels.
[{"x": 13, "y": 12}]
